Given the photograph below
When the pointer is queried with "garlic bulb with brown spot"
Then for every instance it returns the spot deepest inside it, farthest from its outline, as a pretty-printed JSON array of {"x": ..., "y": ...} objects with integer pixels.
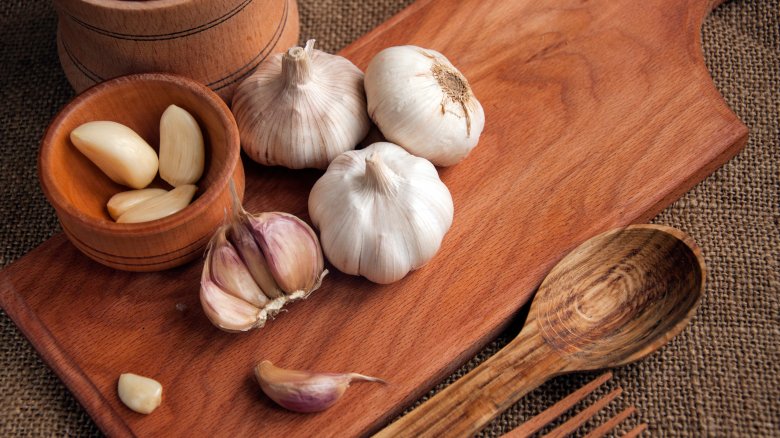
[
  {"x": 301, "y": 109},
  {"x": 421, "y": 102},
  {"x": 381, "y": 212}
]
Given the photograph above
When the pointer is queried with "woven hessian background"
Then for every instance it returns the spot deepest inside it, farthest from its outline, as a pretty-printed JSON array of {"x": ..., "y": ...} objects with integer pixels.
[{"x": 719, "y": 378}]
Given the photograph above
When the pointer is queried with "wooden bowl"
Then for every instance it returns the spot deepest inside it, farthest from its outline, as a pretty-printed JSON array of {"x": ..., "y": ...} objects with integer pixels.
[
  {"x": 79, "y": 190},
  {"x": 216, "y": 42}
]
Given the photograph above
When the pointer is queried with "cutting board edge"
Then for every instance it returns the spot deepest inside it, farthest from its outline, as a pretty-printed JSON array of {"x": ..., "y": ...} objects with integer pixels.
[{"x": 58, "y": 360}]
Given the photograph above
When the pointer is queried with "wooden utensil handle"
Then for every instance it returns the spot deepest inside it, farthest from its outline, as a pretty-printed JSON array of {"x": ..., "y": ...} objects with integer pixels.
[{"x": 464, "y": 407}]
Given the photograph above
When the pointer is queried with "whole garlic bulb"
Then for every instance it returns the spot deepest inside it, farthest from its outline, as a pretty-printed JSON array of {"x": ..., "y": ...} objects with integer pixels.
[
  {"x": 420, "y": 101},
  {"x": 301, "y": 109},
  {"x": 381, "y": 211}
]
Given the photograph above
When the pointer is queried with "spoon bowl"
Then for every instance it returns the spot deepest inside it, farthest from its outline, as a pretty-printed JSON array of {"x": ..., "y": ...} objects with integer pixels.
[
  {"x": 620, "y": 296},
  {"x": 615, "y": 299}
]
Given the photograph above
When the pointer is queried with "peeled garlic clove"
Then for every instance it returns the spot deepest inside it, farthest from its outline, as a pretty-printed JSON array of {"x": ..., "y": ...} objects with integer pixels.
[
  {"x": 247, "y": 248},
  {"x": 118, "y": 151},
  {"x": 159, "y": 207},
  {"x": 291, "y": 249},
  {"x": 182, "y": 154},
  {"x": 229, "y": 272},
  {"x": 381, "y": 211},
  {"x": 421, "y": 102},
  {"x": 139, "y": 393},
  {"x": 301, "y": 109},
  {"x": 123, "y": 201},
  {"x": 303, "y": 391}
]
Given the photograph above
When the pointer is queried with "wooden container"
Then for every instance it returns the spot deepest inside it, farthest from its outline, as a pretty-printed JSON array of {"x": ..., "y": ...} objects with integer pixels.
[
  {"x": 79, "y": 190},
  {"x": 216, "y": 42}
]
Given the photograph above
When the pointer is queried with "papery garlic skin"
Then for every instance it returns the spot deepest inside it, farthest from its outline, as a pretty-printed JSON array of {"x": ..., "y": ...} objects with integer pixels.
[
  {"x": 421, "y": 102},
  {"x": 301, "y": 109},
  {"x": 381, "y": 212},
  {"x": 118, "y": 151},
  {"x": 304, "y": 391},
  {"x": 255, "y": 265}
]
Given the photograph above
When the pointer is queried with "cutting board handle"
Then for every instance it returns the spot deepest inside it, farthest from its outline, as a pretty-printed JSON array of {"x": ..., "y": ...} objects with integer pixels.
[{"x": 464, "y": 407}]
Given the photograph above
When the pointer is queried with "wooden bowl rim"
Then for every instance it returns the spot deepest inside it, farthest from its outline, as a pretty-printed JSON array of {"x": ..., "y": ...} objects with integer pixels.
[
  {"x": 132, "y": 6},
  {"x": 192, "y": 211}
]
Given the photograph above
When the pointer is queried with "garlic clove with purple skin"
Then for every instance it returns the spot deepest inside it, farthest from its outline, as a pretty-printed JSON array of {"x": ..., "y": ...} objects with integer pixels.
[
  {"x": 304, "y": 391},
  {"x": 245, "y": 244},
  {"x": 229, "y": 272},
  {"x": 282, "y": 237}
]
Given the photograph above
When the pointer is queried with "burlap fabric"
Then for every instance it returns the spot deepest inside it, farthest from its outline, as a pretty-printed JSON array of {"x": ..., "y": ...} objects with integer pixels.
[{"x": 721, "y": 377}]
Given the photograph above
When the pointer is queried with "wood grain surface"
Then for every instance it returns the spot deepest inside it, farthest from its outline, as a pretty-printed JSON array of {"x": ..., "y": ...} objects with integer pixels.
[
  {"x": 599, "y": 114},
  {"x": 613, "y": 300},
  {"x": 217, "y": 42}
]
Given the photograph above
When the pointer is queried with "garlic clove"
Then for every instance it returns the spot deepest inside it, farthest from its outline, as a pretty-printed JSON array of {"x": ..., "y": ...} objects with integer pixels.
[
  {"x": 139, "y": 393},
  {"x": 291, "y": 250},
  {"x": 226, "y": 311},
  {"x": 182, "y": 154},
  {"x": 229, "y": 272},
  {"x": 247, "y": 248},
  {"x": 304, "y": 391},
  {"x": 301, "y": 109},
  {"x": 123, "y": 201},
  {"x": 421, "y": 102},
  {"x": 159, "y": 207},
  {"x": 118, "y": 151}
]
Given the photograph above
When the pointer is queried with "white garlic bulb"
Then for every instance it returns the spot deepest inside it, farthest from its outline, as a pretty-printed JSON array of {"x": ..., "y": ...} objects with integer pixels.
[
  {"x": 301, "y": 109},
  {"x": 381, "y": 211},
  {"x": 420, "y": 101}
]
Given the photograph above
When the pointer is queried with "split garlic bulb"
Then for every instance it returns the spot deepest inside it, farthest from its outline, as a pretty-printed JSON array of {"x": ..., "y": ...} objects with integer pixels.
[
  {"x": 301, "y": 109},
  {"x": 420, "y": 101},
  {"x": 381, "y": 211},
  {"x": 255, "y": 265}
]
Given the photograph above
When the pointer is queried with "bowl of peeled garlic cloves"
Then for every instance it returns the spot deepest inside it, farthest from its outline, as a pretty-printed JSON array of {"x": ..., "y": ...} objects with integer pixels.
[{"x": 139, "y": 170}]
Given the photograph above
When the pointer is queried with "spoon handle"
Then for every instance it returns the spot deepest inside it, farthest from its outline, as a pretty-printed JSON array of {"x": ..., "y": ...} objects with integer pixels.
[{"x": 464, "y": 407}]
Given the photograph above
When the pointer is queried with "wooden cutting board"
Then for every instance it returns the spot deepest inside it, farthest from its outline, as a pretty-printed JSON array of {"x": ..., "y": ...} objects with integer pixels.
[{"x": 599, "y": 114}]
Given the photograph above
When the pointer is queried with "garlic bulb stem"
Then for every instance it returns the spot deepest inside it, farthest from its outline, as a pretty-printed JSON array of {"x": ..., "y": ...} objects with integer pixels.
[
  {"x": 296, "y": 64},
  {"x": 378, "y": 176}
]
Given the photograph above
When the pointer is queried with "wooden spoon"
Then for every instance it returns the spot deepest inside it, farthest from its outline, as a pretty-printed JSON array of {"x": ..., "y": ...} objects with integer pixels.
[{"x": 615, "y": 299}]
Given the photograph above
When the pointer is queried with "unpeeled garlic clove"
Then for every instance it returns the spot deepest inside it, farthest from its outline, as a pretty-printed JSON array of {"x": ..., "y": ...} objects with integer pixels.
[
  {"x": 182, "y": 154},
  {"x": 304, "y": 391},
  {"x": 118, "y": 151},
  {"x": 246, "y": 245},
  {"x": 123, "y": 201},
  {"x": 230, "y": 274},
  {"x": 159, "y": 207},
  {"x": 283, "y": 238},
  {"x": 224, "y": 310},
  {"x": 139, "y": 393}
]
